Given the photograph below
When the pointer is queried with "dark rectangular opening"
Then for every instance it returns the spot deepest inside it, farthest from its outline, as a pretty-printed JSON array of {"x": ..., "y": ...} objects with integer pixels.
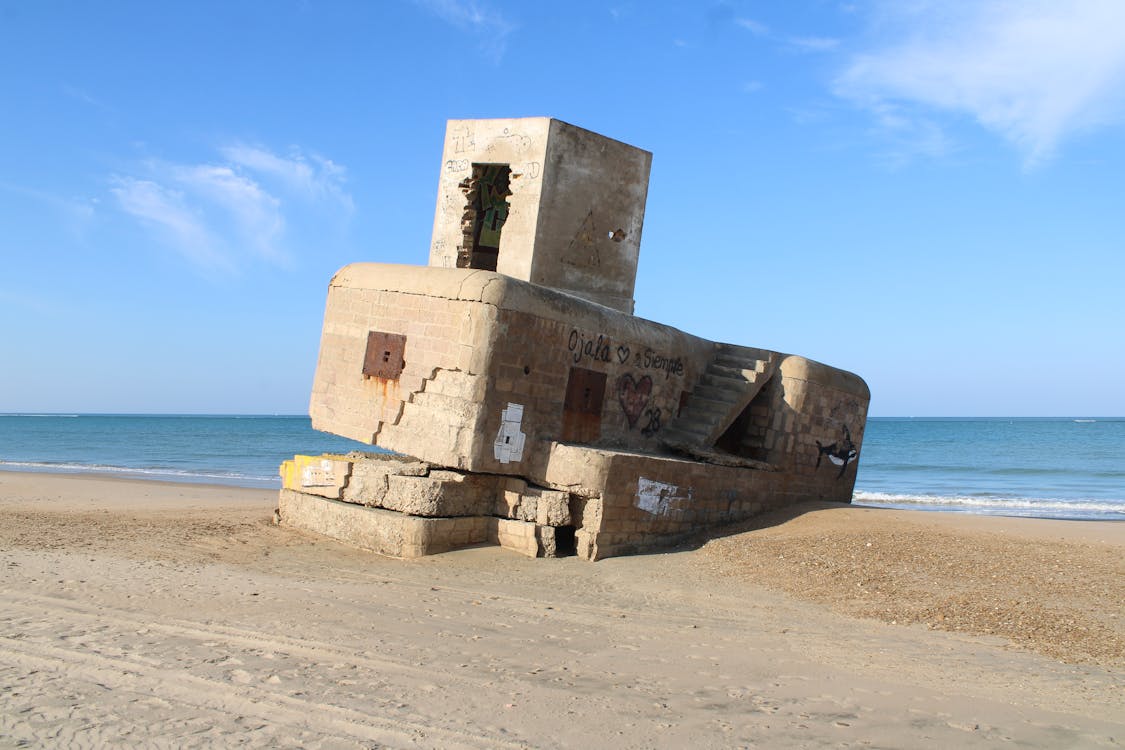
[
  {"x": 565, "y": 543},
  {"x": 486, "y": 210}
]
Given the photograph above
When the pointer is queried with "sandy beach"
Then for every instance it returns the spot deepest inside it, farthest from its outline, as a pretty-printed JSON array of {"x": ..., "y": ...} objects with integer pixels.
[{"x": 177, "y": 615}]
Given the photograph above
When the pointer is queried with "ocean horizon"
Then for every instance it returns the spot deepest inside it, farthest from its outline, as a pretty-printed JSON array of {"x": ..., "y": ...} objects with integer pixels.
[{"x": 1049, "y": 467}]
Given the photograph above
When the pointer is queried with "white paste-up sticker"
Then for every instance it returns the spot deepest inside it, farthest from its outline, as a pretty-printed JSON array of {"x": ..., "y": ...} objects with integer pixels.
[
  {"x": 659, "y": 497},
  {"x": 318, "y": 476},
  {"x": 509, "y": 440}
]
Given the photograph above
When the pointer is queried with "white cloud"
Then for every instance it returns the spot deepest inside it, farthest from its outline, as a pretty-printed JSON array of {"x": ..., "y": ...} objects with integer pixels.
[
  {"x": 256, "y": 213},
  {"x": 754, "y": 27},
  {"x": 475, "y": 17},
  {"x": 218, "y": 214},
  {"x": 814, "y": 43},
  {"x": 313, "y": 177},
  {"x": 1034, "y": 71},
  {"x": 167, "y": 210},
  {"x": 83, "y": 96},
  {"x": 800, "y": 43}
]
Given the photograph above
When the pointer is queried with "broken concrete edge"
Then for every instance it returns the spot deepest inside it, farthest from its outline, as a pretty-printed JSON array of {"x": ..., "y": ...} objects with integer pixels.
[
  {"x": 407, "y": 485},
  {"x": 400, "y": 535},
  {"x": 403, "y": 507},
  {"x": 506, "y": 293},
  {"x": 613, "y": 503}
]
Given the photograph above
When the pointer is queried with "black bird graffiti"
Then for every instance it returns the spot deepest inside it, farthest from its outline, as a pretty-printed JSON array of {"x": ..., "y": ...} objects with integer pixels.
[{"x": 840, "y": 453}]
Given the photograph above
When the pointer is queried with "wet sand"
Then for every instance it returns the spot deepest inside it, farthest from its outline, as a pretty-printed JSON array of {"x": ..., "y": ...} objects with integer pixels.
[{"x": 142, "y": 613}]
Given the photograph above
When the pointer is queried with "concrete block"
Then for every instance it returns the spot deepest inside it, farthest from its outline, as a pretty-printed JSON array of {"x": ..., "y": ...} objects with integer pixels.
[
  {"x": 545, "y": 536},
  {"x": 442, "y": 493},
  {"x": 586, "y": 546},
  {"x": 324, "y": 475},
  {"x": 518, "y": 536},
  {"x": 553, "y": 508},
  {"x": 368, "y": 482},
  {"x": 509, "y": 504},
  {"x": 383, "y": 531}
]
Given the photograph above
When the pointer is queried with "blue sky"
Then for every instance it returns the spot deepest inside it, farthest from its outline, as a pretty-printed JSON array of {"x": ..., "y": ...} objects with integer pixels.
[{"x": 931, "y": 195}]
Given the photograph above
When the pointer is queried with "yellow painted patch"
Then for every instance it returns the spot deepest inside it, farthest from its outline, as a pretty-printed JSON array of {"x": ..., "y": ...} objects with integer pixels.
[{"x": 295, "y": 473}]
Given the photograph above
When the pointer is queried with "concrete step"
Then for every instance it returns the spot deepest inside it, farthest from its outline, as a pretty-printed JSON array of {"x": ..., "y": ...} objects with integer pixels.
[
  {"x": 723, "y": 382},
  {"x": 706, "y": 409},
  {"x": 745, "y": 374},
  {"x": 726, "y": 393},
  {"x": 748, "y": 352},
  {"x": 732, "y": 378},
  {"x": 743, "y": 363}
]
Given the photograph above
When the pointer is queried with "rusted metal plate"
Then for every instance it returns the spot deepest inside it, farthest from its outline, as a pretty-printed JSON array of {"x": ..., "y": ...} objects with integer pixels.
[
  {"x": 385, "y": 356},
  {"x": 582, "y": 408}
]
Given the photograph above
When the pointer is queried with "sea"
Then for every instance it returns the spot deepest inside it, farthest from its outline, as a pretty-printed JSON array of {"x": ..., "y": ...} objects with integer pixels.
[{"x": 1071, "y": 468}]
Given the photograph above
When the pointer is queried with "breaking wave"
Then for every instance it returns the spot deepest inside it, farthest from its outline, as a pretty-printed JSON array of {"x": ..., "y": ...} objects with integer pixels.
[{"x": 1006, "y": 506}]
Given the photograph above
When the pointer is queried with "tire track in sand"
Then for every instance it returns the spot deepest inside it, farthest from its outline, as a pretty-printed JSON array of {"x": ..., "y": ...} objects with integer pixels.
[{"x": 174, "y": 684}]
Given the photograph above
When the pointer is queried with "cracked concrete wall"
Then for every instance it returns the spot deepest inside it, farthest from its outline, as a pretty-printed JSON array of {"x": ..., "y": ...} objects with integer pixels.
[
  {"x": 478, "y": 343},
  {"x": 576, "y": 207},
  {"x": 435, "y": 404},
  {"x": 407, "y": 508},
  {"x": 482, "y": 348}
]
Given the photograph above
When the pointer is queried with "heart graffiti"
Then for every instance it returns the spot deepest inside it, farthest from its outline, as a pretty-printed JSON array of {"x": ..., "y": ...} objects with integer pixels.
[
  {"x": 633, "y": 395},
  {"x": 622, "y": 354}
]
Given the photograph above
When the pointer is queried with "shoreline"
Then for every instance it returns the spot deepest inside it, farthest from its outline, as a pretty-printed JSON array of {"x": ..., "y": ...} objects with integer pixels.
[
  {"x": 129, "y": 475},
  {"x": 135, "y": 609},
  {"x": 274, "y": 485}
]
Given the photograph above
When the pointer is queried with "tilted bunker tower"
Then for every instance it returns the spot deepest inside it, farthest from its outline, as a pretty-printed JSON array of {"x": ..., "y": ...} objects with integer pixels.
[{"x": 527, "y": 405}]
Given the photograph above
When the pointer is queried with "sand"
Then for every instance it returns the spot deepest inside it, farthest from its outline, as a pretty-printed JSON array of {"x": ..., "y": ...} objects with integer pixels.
[{"x": 171, "y": 615}]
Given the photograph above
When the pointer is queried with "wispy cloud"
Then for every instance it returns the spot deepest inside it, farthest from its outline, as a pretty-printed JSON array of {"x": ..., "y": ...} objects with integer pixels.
[
  {"x": 314, "y": 177},
  {"x": 167, "y": 211},
  {"x": 83, "y": 96},
  {"x": 477, "y": 18},
  {"x": 907, "y": 138},
  {"x": 255, "y": 213},
  {"x": 1033, "y": 71},
  {"x": 217, "y": 214},
  {"x": 799, "y": 43},
  {"x": 814, "y": 43},
  {"x": 756, "y": 28}
]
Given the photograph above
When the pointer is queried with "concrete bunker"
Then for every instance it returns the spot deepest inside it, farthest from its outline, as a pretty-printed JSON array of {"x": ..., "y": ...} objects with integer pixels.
[{"x": 526, "y": 404}]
